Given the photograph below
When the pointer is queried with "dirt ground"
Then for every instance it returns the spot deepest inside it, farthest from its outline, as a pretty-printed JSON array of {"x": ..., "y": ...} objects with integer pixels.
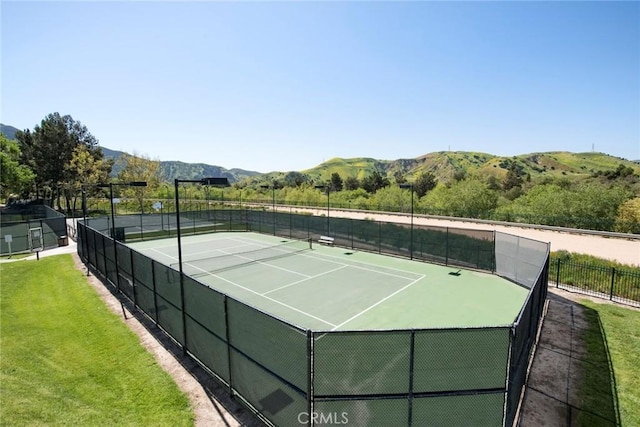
[{"x": 550, "y": 398}]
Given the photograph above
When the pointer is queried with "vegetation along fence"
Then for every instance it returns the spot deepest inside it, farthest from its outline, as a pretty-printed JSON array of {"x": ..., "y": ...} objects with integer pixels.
[
  {"x": 615, "y": 284},
  {"x": 286, "y": 374}
]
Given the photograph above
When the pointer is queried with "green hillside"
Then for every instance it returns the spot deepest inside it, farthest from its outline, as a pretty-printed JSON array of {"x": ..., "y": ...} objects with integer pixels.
[{"x": 446, "y": 165}]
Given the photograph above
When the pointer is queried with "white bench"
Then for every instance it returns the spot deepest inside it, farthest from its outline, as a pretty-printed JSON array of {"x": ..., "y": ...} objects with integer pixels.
[{"x": 325, "y": 240}]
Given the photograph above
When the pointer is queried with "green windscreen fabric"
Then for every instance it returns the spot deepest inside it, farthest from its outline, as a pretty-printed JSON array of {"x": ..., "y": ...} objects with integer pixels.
[
  {"x": 167, "y": 283},
  {"x": 124, "y": 260},
  {"x": 169, "y": 300},
  {"x": 143, "y": 270},
  {"x": 460, "y": 359},
  {"x": 170, "y": 318},
  {"x": 146, "y": 300},
  {"x": 484, "y": 410},
  {"x": 208, "y": 348},
  {"x": 370, "y": 413},
  {"x": 205, "y": 306},
  {"x": 91, "y": 246},
  {"x": 275, "y": 400},
  {"x": 277, "y": 346},
  {"x": 360, "y": 363},
  {"x": 110, "y": 259},
  {"x": 100, "y": 256}
]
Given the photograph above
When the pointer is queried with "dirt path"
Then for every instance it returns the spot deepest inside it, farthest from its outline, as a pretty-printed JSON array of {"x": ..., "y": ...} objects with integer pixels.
[{"x": 552, "y": 396}]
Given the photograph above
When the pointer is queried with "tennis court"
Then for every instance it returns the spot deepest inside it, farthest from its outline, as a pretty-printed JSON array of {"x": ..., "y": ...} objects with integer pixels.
[{"x": 326, "y": 288}]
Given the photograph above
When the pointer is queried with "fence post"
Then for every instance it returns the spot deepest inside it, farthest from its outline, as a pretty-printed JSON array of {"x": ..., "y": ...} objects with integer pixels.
[
  {"x": 446, "y": 241},
  {"x": 411, "y": 372},
  {"x": 156, "y": 318},
  {"x": 613, "y": 280},
  {"x": 133, "y": 282},
  {"x": 228, "y": 340},
  {"x": 310, "y": 376},
  {"x": 558, "y": 273}
]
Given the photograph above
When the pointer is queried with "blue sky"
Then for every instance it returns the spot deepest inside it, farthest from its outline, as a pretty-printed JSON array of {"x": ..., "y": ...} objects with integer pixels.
[{"x": 286, "y": 85}]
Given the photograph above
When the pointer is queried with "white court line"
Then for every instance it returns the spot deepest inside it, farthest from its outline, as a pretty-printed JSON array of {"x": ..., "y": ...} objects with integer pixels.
[
  {"x": 349, "y": 263},
  {"x": 378, "y": 303},
  {"x": 270, "y": 265},
  {"x": 304, "y": 280},
  {"x": 260, "y": 295},
  {"x": 162, "y": 253}
]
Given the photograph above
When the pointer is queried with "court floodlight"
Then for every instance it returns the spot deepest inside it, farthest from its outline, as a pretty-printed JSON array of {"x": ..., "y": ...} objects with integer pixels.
[{"x": 216, "y": 182}]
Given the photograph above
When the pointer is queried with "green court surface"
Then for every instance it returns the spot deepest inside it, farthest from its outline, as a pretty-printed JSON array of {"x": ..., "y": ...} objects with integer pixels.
[{"x": 330, "y": 288}]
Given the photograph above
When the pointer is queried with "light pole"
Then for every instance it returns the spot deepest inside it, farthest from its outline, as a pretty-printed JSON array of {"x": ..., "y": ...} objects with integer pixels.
[
  {"x": 122, "y": 184},
  {"x": 216, "y": 182},
  {"x": 410, "y": 187},
  {"x": 113, "y": 221}
]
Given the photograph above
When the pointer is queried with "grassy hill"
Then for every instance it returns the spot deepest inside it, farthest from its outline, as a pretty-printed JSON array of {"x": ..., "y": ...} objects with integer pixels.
[{"x": 445, "y": 165}]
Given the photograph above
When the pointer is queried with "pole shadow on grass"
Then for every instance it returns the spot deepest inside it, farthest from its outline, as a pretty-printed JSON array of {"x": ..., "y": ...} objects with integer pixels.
[{"x": 572, "y": 381}]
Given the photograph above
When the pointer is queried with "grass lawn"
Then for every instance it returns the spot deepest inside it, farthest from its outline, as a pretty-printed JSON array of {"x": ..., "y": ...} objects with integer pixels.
[
  {"x": 621, "y": 327},
  {"x": 66, "y": 359}
]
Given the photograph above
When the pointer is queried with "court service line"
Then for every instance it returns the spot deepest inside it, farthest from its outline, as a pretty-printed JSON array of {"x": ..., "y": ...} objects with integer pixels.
[
  {"x": 378, "y": 303},
  {"x": 156, "y": 248},
  {"x": 353, "y": 264},
  {"x": 306, "y": 276},
  {"x": 260, "y": 295},
  {"x": 268, "y": 298},
  {"x": 304, "y": 280}
]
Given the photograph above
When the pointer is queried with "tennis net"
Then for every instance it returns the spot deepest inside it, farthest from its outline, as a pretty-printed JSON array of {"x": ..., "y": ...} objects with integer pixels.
[{"x": 215, "y": 264}]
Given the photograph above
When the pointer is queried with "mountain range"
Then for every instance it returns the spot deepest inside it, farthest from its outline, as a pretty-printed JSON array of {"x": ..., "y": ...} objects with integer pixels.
[{"x": 445, "y": 165}]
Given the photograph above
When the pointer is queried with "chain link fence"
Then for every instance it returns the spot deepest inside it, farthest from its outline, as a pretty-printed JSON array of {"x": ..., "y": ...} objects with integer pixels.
[
  {"x": 292, "y": 376},
  {"x": 16, "y": 222}
]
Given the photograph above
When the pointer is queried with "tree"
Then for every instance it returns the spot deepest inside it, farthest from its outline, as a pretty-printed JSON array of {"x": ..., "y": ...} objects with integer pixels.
[
  {"x": 336, "y": 182},
  {"x": 84, "y": 171},
  {"x": 425, "y": 182},
  {"x": 351, "y": 183},
  {"x": 374, "y": 182},
  {"x": 295, "y": 179},
  {"x": 49, "y": 149},
  {"x": 139, "y": 168},
  {"x": 628, "y": 219},
  {"x": 14, "y": 177},
  {"x": 399, "y": 177},
  {"x": 513, "y": 178},
  {"x": 469, "y": 198}
]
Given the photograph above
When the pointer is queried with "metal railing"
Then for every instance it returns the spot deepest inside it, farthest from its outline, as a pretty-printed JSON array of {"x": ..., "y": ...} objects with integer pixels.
[{"x": 615, "y": 284}]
